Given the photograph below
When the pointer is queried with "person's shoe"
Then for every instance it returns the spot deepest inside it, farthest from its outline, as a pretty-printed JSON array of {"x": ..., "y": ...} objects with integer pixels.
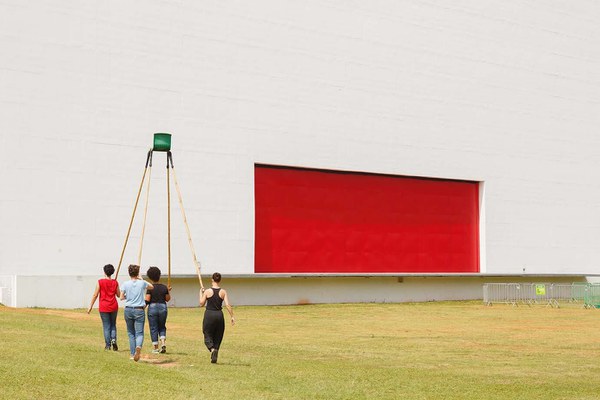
[
  {"x": 163, "y": 349},
  {"x": 155, "y": 351},
  {"x": 136, "y": 356},
  {"x": 106, "y": 348},
  {"x": 114, "y": 345},
  {"x": 213, "y": 356}
]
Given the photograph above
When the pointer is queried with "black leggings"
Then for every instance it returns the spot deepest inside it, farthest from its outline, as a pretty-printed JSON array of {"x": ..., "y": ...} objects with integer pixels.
[{"x": 213, "y": 328}]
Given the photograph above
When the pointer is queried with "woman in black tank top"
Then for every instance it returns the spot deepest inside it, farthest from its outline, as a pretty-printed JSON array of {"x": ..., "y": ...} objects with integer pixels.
[
  {"x": 214, "y": 302},
  {"x": 213, "y": 325}
]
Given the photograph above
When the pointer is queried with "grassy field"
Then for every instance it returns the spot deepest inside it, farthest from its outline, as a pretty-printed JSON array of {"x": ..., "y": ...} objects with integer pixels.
[{"x": 450, "y": 350}]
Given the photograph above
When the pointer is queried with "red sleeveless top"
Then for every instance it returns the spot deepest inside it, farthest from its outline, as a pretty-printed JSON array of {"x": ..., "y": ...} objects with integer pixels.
[{"x": 108, "y": 290}]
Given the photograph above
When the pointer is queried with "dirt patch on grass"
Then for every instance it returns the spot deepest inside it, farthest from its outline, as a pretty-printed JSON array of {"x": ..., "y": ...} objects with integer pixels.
[
  {"x": 68, "y": 314},
  {"x": 44, "y": 311},
  {"x": 159, "y": 361}
]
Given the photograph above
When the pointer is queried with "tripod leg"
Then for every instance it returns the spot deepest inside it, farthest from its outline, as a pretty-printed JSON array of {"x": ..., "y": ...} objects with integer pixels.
[
  {"x": 148, "y": 160},
  {"x": 169, "y": 217},
  {"x": 139, "y": 262},
  {"x": 196, "y": 262}
]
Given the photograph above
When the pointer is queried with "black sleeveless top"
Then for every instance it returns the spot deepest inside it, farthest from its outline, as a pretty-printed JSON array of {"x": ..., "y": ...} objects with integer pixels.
[
  {"x": 214, "y": 302},
  {"x": 158, "y": 294}
]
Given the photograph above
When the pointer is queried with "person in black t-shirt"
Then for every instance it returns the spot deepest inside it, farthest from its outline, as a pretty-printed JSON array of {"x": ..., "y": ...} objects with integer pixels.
[
  {"x": 213, "y": 325},
  {"x": 157, "y": 299}
]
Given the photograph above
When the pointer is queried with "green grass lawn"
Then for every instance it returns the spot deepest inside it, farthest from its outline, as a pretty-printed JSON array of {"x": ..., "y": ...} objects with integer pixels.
[{"x": 449, "y": 350}]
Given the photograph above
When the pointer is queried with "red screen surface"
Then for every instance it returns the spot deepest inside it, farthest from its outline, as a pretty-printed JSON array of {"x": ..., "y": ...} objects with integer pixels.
[{"x": 317, "y": 221}]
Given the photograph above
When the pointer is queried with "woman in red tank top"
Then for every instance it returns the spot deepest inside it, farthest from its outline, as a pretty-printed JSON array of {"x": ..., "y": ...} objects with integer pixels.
[{"x": 108, "y": 290}]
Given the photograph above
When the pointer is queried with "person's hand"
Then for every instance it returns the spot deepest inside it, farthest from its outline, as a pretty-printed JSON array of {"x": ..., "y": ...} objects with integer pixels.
[{"x": 202, "y": 290}]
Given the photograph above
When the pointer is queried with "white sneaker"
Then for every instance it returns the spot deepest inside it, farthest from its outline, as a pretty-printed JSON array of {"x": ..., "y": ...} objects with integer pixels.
[{"x": 155, "y": 351}]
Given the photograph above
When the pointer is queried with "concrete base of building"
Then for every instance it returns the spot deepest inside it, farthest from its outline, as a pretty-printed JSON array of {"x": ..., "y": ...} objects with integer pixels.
[{"x": 278, "y": 289}]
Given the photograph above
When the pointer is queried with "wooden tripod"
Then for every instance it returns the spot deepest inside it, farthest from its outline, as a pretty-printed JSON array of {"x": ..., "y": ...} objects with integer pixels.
[{"x": 148, "y": 172}]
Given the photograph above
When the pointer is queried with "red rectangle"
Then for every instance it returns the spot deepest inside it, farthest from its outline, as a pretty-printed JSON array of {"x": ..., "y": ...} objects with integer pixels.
[{"x": 317, "y": 221}]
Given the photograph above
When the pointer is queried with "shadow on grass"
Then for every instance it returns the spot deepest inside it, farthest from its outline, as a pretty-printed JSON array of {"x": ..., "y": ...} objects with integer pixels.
[
  {"x": 157, "y": 361},
  {"x": 234, "y": 364}
]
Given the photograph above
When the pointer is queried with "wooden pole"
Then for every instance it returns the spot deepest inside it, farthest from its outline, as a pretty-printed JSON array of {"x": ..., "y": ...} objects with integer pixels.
[
  {"x": 196, "y": 262},
  {"x": 145, "y": 215},
  {"x": 169, "y": 218},
  {"x": 148, "y": 158}
]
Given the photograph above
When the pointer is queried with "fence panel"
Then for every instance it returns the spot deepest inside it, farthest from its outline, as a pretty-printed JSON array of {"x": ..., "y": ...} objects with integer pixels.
[
  {"x": 547, "y": 294},
  {"x": 592, "y": 296}
]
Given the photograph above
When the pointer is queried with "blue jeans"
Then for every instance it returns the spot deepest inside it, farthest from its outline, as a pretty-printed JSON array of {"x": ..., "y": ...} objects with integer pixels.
[
  {"x": 109, "y": 326},
  {"x": 135, "y": 319},
  {"x": 157, "y": 319}
]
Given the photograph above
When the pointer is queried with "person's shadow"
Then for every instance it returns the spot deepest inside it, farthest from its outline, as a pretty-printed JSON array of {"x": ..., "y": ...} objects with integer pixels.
[{"x": 234, "y": 364}]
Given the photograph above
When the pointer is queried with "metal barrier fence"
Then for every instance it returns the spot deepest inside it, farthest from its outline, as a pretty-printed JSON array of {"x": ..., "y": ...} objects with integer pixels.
[
  {"x": 548, "y": 294},
  {"x": 592, "y": 296}
]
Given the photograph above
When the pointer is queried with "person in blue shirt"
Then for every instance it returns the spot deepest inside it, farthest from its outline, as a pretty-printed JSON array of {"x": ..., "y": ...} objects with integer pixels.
[{"x": 134, "y": 294}]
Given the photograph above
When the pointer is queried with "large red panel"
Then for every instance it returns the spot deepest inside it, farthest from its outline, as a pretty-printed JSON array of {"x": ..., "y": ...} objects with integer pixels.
[{"x": 315, "y": 221}]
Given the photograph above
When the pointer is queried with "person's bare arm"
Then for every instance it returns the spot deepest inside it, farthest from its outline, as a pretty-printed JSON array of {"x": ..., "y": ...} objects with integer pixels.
[
  {"x": 205, "y": 295},
  {"x": 168, "y": 295},
  {"x": 228, "y": 306},
  {"x": 118, "y": 292},
  {"x": 94, "y": 297}
]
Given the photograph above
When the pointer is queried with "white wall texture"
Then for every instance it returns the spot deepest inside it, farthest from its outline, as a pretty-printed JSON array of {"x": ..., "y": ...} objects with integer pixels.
[{"x": 503, "y": 92}]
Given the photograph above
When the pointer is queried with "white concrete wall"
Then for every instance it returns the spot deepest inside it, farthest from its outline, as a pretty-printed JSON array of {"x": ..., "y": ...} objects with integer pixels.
[
  {"x": 8, "y": 287},
  {"x": 55, "y": 291},
  {"x": 504, "y": 92}
]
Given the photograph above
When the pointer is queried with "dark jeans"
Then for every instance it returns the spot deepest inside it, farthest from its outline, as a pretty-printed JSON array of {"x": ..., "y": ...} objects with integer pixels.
[
  {"x": 109, "y": 326},
  {"x": 213, "y": 327},
  {"x": 134, "y": 319},
  {"x": 157, "y": 319}
]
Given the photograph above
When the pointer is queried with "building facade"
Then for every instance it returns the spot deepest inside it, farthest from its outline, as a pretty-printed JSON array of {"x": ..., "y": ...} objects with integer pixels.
[{"x": 505, "y": 95}]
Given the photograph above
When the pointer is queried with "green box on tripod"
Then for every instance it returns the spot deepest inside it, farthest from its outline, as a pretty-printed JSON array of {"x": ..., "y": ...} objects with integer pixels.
[{"x": 162, "y": 142}]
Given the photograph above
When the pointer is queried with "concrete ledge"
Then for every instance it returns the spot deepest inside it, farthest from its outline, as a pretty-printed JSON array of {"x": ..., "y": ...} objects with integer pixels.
[
  {"x": 393, "y": 275},
  {"x": 282, "y": 289}
]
